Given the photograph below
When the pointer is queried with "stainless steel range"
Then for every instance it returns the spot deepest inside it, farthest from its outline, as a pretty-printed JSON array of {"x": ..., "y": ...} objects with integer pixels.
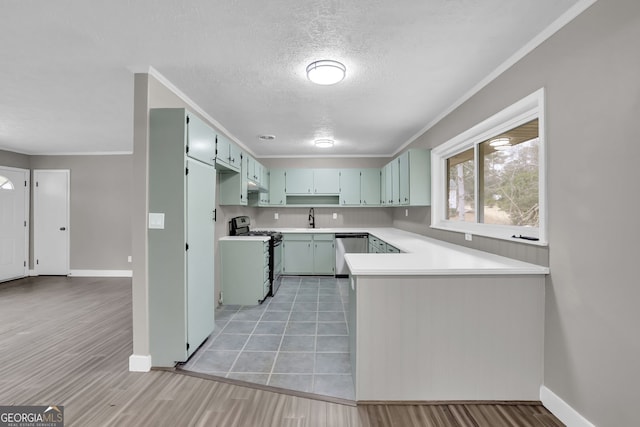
[{"x": 240, "y": 226}]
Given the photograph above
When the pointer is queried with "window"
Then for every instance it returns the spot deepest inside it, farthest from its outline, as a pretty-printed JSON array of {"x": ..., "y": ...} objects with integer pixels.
[
  {"x": 490, "y": 180},
  {"x": 5, "y": 183}
]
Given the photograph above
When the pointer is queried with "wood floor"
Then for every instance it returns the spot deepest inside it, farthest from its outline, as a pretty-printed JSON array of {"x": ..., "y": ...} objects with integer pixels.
[{"x": 67, "y": 341}]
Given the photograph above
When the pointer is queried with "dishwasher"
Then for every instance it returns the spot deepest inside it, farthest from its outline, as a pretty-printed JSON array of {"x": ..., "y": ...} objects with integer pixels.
[{"x": 349, "y": 243}]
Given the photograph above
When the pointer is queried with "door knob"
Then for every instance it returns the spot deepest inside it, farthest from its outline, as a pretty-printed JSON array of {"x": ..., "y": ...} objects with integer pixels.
[{"x": 63, "y": 228}]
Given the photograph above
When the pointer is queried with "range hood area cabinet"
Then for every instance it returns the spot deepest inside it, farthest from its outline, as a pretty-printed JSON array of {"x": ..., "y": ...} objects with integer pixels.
[{"x": 181, "y": 246}]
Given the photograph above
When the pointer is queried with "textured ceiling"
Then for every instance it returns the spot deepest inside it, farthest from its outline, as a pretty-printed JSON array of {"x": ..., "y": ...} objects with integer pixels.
[{"x": 66, "y": 84}]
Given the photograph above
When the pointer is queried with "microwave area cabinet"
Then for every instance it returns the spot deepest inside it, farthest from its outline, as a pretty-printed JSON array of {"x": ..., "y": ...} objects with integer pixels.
[
  {"x": 309, "y": 254},
  {"x": 180, "y": 251},
  {"x": 244, "y": 265},
  {"x": 234, "y": 186},
  {"x": 228, "y": 154}
]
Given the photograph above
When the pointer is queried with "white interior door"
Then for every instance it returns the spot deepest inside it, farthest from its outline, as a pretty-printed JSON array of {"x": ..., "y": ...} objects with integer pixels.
[
  {"x": 14, "y": 220},
  {"x": 201, "y": 201},
  {"x": 51, "y": 222}
]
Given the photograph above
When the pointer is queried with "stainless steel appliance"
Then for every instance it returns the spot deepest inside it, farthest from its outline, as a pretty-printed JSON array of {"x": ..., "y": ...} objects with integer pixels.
[
  {"x": 240, "y": 226},
  {"x": 349, "y": 243}
]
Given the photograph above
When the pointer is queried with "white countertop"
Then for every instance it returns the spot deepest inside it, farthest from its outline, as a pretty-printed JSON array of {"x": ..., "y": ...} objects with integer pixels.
[
  {"x": 257, "y": 238},
  {"x": 424, "y": 256}
]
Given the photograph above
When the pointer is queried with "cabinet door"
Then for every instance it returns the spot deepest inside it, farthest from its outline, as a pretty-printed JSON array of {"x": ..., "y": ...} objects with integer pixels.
[
  {"x": 299, "y": 181},
  {"x": 383, "y": 186},
  {"x": 235, "y": 156},
  {"x": 389, "y": 183},
  {"x": 350, "y": 187},
  {"x": 395, "y": 182},
  {"x": 265, "y": 178},
  {"x": 201, "y": 198},
  {"x": 370, "y": 187},
  {"x": 403, "y": 177},
  {"x": 201, "y": 140},
  {"x": 324, "y": 256},
  {"x": 277, "y": 195},
  {"x": 298, "y": 256},
  {"x": 222, "y": 150},
  {"x": 326, "y": 181}
]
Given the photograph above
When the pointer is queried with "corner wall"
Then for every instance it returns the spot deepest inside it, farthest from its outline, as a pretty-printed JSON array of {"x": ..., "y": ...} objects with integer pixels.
[{"x": 590, "y": 71}]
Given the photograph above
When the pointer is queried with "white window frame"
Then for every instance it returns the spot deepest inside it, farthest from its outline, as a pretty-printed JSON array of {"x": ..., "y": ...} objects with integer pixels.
[{"x": 523, "y": 111}]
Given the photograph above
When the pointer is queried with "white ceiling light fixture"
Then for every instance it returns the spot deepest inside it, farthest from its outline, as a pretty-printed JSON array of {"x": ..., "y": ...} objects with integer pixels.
[
  {"x": 326, "y": 72},
  {"x": 324, "y": 143}
]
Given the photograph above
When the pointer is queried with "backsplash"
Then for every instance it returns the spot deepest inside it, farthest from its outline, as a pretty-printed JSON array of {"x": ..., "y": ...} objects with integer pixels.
[{"x": 346, "y": 217}]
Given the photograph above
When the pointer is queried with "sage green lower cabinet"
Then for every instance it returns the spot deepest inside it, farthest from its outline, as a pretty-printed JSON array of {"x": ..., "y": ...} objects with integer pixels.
[
  {"x": 324, "y": 254},
  {"x": 378, "y": 246},
  {"x": 308, "y": 254},
  {"x": 244, "y": 266},
  {"x": 297, "y": 254}
]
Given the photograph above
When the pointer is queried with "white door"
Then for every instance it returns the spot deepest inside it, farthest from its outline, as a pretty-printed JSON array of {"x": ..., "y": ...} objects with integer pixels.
[
  {"x": 201, "y": 302},
  {"x": 51, "y": 222},
  {"x": 14, "y": 220}
]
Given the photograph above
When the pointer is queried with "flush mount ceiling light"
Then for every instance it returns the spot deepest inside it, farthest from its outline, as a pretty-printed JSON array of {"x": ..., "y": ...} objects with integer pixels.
[
  {"x": 267, "y": 137},
  {"x": 326, "y": 72},
  {"x": 499, "y": 142},
  {"x": 324, "y": 143}
]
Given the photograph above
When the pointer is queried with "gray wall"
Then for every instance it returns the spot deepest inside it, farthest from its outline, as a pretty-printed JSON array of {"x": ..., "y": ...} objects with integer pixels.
[
  {"x": 100, "y": 207},
  {"x": 14, "y": 160},
  {"x": 590, "y": 70}
]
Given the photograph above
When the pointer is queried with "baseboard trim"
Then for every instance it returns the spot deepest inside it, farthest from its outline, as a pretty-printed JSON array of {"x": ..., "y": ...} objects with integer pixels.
[
  {"x": 100, "y": 273},
  {"x": 32, "y": 273},
  {"x": 562, "y": 410},
  {"x": 139, "y": 363}
]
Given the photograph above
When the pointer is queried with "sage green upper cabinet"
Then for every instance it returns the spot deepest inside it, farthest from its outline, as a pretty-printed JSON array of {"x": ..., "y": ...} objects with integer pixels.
[
  {"x": 403, "y": 162},
  {"x": 350, "y": 187},
  {"x": 265, "y": 178},
  {"x": 326, "y": 181},
  {"x": 277, "y": 195},
  {"x": 388, "y": 174},
  {"x": 395, "y": 182},
  {"x": 370, "y": 187},
  {"x": 201, "y": 140},
  {"x": 415, "y": 177},
  {"x": 299, "y": 181},
  {"x": 228, "y": 155},
  {"x": 383, "y": 186},
  {"x": 233, "y": 186}
]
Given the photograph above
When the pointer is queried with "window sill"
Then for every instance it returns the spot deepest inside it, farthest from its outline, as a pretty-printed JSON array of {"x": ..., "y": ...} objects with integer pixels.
[{"x": 494, "y": 232}]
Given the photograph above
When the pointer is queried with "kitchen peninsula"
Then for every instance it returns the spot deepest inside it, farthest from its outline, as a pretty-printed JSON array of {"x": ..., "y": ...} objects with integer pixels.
[{"x": 442, "y": 322}]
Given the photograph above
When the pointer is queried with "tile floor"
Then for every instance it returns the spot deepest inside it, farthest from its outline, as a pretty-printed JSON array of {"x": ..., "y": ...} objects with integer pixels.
[{"x": 296, "y": 340}]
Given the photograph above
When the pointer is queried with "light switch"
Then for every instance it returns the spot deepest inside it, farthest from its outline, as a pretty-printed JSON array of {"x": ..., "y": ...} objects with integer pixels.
[{"x": 156, "y": 221}]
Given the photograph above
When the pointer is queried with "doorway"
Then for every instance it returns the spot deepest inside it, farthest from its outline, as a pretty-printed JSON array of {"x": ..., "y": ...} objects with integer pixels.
[
  {"x": 14, "y": 223},
  {"x": 51, "y": 222}
]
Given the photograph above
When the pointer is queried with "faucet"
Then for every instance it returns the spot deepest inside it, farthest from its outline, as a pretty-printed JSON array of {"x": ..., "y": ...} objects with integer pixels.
[{"x": 312, "y": 218}]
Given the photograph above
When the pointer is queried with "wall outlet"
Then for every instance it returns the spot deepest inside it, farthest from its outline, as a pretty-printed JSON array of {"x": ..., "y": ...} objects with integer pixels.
[
  {"x": 468, "y": 237},
  {"x": 406, "y": 212},
  {"x": 335, "y": 215},
  {"x": 129, "y": 258},
  {"x": 276, "y": 215}
]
